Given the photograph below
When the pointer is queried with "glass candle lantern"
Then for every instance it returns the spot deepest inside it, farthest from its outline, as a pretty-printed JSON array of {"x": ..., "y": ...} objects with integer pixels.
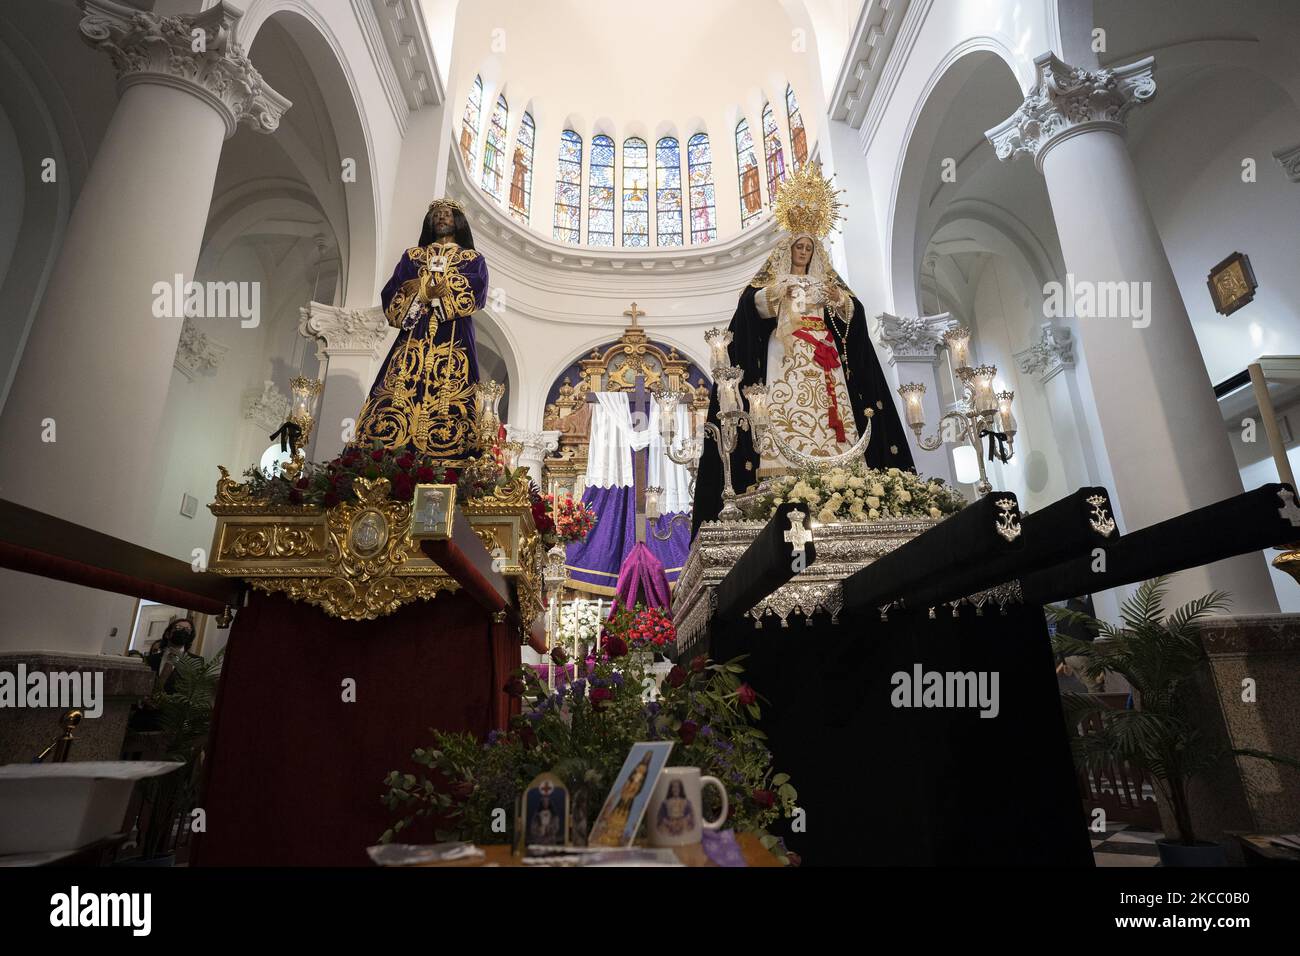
[
  {"x": 912, "y": 393},
  {"x": 701, "y": 416},
  {"x": 304, "y": 392},
  {"x": 652, "y": 502},
  {"x": 985, "y": 401},
  {"x": 729, "y": 388},
  {"x": 668, "y": 401},
  {"x": 756, "y": 397},
  {"x": 718, "y": 340},
  {"x": 1006, "y": 419},
  {"x": 958, "y": 341}
]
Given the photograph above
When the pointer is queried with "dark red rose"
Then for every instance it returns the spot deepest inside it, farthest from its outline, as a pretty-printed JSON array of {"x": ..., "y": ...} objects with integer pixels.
[
  {"x": 677, "y": 676},
  {"x": 746, "y": 694},
  {"x": 599, "y": 696},
  {"x": 377, "y": 455},
  {"x": 515, "y": 687},
  {"x": 301, "y": 483},
  {"x": 295, "y": 496},
  {"x": 615, "y": 646},
  {"x": 330, "y": 499},
  {"x": 405, "y": 462},
  {"x": 450, "y": 476},
  {"x": 403, "y": 487},
  {"x": 765, "y": 798},
  {"x": 462, "y": 790},
  {"x": 425, "y": 474},
  {"x": 687, "y": 731},
  {"x": 698, "y": 663},
  {"x": 350, "y": 457},
  {"x": 559, "y": 656}
]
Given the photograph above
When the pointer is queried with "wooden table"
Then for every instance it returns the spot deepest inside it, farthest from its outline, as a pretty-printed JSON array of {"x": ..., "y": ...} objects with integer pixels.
[{"x": 755, "y": 855}]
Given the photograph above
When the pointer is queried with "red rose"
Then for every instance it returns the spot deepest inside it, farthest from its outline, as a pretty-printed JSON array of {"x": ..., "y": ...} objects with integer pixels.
[
  {"x": 302, "y": 483},
  {"x": 330, "y": 499},
  {"x": 403, "y": 488},
  {"x": 349, "y": 457},
  {"x": 515, "y": 687},
  {"x": 377, "y": 455},
  {"x": 615, "y": 646},
  {"x": 746, "y": 694},
  {"x": 698, "y": 663},
  {"x": 764, "y": 798},
  {"x": 599, "y": 696},
  {"x": 559, "y": 656},
  {"x": 677, "y": 677},
  {"x": 450, "y": 476},
  {"x": 687, "y": 731},
  {"x": 425, "y": 474},
  {"x": 406, "y": 461}
]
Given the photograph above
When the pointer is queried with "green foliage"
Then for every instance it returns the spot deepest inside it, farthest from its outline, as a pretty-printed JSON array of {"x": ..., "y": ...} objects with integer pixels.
[
  {"x": 1159, "y": 656},
  {"x": 583, "y": 736}
]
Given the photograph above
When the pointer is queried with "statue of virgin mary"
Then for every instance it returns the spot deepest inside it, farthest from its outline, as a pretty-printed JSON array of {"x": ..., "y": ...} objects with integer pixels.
[{"x": 799, "y": 329}]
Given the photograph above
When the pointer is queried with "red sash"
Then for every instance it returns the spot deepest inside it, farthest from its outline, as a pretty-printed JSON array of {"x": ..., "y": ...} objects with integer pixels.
[{"x": 827, "y": 358}]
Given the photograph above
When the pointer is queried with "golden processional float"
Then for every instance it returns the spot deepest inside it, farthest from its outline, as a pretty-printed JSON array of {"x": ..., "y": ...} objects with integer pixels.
[{"x": 367, "y": 556}]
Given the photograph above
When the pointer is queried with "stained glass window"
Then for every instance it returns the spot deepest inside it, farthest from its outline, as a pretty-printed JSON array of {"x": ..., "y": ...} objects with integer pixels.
[
  {"x": 699, "y": 165},
  {"x": 668, "y": 192},
  {"x": 494, "y": 148},
  {"x": 521, "y": 171},
  {"x": 568, "y": 189},
  {"x": 775, "y": 154},
  {"x": 798, "y": 135},
  {"x": 600, "y": 193},
  {"x": 636, "y": 193},
  {"x": 469, "y": 122},
  {"x": 751, "y": 199}
]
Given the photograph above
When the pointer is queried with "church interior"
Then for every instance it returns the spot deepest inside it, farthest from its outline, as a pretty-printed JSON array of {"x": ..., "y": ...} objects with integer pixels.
[{"x": 574, "y": 434}]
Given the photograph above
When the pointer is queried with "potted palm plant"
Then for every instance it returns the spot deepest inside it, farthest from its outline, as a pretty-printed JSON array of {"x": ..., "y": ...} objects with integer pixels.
[{"x": 1159, "y": 655}]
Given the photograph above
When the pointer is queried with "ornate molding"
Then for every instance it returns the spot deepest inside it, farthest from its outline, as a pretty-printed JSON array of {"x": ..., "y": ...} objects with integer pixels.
[
  {"x": 148, "y": 48},
  {"x": 1052, "y": 354},
  {"x": 874, "y": 37},
  {"x": 912, "y": 338},
  {"x": 536, "y": 444},
  {"x": 1066, "y": 100},
  {"x": 1288, "y": 157},
  {"x": 268, "y": 409},
  {"x": 343, "y": 331},
  {"x": 196, "y": 353}
]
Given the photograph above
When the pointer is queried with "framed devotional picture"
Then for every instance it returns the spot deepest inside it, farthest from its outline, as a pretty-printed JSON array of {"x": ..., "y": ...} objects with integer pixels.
[
  {"x": 620, "y": 817},
  {"x": 1232, "y": 283}
]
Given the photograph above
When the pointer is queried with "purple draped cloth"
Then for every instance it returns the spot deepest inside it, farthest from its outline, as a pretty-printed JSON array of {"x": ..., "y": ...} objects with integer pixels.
[
  {"x": 597, "y": 563},
  {"x": 641, "y": 580}
]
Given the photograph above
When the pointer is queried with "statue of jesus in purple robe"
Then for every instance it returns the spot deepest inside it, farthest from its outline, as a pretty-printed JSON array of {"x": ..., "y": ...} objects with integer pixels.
[{"x": 423, "y": 397}]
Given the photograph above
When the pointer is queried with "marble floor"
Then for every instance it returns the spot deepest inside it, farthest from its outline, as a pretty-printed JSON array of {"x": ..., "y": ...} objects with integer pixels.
[{"x": 1125, "y": 845}]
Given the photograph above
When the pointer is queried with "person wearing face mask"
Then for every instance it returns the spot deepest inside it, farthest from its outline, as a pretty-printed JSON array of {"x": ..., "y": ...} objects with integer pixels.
[
  {"x": 800, "y": 330},
  {"x": 175, "y": 642}
]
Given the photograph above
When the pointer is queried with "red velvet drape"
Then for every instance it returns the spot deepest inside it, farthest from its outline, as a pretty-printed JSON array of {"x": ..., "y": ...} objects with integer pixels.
[{"x": 295, "y": 772}]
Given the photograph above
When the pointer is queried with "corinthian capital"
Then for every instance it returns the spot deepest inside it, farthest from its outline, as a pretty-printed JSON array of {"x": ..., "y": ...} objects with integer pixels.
[
  {"x": 914, "y": 339},
  {"x": 195, "y": 52},
  {"x": 343, "y": 331},
  {"x": 1067, "y": 100}
]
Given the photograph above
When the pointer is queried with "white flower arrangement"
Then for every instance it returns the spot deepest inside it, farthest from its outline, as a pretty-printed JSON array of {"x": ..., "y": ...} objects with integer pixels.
[
  {"x": 857, "y": 494},
  {"x": 580, "y": 620}
]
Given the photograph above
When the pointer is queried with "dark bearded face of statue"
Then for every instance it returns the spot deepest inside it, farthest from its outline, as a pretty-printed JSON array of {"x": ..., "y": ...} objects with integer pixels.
[
  {"x": 443, "y": 223},
  {"x": 801, "y": 253}
]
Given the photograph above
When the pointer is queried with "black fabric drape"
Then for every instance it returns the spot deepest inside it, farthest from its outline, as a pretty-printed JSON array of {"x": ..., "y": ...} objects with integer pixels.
[{"x": 863, "y": 378}]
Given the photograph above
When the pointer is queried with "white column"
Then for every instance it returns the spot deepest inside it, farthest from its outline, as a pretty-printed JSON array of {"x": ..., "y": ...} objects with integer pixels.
[
  {"x": 1160, "y": 425},
  {"x": 536, "y": 446},
  {"x": 914, "y": 345},
  {"x": 349, "y": 345},
  {"x": 79, "y": 427}
]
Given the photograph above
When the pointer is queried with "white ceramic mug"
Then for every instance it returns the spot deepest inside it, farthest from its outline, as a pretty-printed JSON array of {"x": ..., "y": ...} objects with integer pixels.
[{"x": 675, "y": 814}]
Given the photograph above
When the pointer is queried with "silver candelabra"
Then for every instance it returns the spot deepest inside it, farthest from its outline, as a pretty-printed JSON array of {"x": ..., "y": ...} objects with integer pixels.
[{"x": 979, "y": 410}]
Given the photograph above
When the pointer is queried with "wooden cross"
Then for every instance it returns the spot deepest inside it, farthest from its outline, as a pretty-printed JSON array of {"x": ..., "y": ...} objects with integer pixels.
[
  {"x": 639, "y": 405},
  {"x": 633, "y": 312}
]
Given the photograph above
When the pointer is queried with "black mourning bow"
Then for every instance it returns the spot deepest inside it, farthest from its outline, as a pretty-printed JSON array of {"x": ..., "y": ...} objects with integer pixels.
[
  {"x": 288, "y": 434},
  {"x": 997, "y": 445}
]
